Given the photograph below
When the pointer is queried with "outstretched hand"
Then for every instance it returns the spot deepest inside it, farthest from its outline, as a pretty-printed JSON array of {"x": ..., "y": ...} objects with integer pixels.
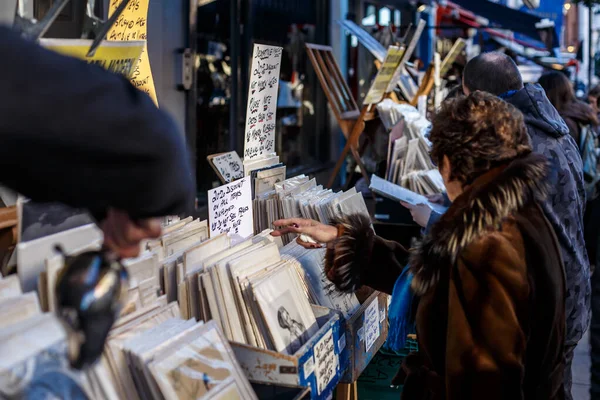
[
  {"x": 321, "y": 233},
  {"x": 123, "y": 236}
]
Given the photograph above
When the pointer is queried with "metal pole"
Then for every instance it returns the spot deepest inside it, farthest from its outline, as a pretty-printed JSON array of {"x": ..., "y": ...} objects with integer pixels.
[
  {"x": 590, "y": 56},
  {"x": 234, "y": 41}
]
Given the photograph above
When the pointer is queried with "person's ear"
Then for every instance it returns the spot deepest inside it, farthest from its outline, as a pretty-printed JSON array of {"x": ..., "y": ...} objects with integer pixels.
[
  {"x": 465, "y": 89},
  {"x": 445, "y": 168}
]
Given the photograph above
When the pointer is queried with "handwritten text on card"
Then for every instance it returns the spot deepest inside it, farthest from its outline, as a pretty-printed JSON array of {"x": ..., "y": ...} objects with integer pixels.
[
  {"x": 262, "y": 101},
  {"x": 326, "y": 361},
  {"x": 229, "y": 166},
  {"x": 230, "y": 209},
  {"x": 132, "y": 25},
  {"x": 371, "y": 324}
]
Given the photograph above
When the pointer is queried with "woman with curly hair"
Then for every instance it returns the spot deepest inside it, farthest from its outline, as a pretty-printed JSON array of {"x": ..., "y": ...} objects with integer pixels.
[{"x": 490, "y": 318}]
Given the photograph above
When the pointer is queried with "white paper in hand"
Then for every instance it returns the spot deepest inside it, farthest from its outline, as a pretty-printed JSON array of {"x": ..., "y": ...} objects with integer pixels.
[
  {"x": 230, "y": 209},
  {"x": 398, "y": 193}
]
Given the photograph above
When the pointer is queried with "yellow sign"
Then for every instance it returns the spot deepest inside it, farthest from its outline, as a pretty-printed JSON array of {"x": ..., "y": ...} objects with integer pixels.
[
  {"x": 121, "y": 58},
  {"x": 132, "y": 25},
  {"x": 385, "y": 75}
]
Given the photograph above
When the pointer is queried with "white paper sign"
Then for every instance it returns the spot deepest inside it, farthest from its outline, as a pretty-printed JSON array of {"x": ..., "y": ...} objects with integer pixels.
[
  {"x": 371, "y": 324},
  {"x": 326, "y": 364},
  {"x": 262, "y": 101},
  {"x": 229, "y": 166},
  {"x": 230, "y": 209}
]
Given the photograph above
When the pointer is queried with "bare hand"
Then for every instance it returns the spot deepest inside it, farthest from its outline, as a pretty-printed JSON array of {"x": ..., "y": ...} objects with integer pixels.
[
  {"x": 437, "y": 198},
  {"x": 420, "y": 213},
  {"x": 123, "y": 236},
  {"x": 319, "y": 232}
]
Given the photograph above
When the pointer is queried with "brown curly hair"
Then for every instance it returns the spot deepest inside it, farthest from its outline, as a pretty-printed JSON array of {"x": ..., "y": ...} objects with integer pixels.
[{"x": 477, "y": 133}]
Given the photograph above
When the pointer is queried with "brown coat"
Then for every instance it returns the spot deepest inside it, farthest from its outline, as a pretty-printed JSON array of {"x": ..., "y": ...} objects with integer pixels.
[{"x": 490, "y": 320}]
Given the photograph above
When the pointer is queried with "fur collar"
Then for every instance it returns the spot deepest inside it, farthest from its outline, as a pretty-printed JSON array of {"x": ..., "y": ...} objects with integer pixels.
[{"x": 483, "y": 207}]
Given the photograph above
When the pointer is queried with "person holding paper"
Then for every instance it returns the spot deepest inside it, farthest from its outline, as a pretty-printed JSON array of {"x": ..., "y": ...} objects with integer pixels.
[
  {"x": 491, "y": 313},
  {"x": 77, "y": 134}
]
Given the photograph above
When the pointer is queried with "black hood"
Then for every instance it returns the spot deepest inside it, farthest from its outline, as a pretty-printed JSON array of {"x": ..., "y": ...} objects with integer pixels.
[{"x": 538, "y": 111}]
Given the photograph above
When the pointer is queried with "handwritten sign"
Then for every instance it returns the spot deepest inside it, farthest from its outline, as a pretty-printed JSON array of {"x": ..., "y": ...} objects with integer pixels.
[
  {"x": 384, "y": 75},
  {"x": 228, "y": 166},
  {"x": 230, "y": 209},
  {"x": 371, "y": 325},
  {"x": 262, "y": 101},
  {"x": 132, "y": 25},
  {"x": 326, "y": 361},
  {"x": 119, "y": 58}
]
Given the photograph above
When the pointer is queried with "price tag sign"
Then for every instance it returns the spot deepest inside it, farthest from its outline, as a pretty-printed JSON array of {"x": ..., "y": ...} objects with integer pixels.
[
  {"x": 228, "y": 166},
  {"x": 326, "y": 361},
  {"x": 262, "y": 101},
  {"x": 230, "y": 209},
  {"x": 371, "y": 324}
]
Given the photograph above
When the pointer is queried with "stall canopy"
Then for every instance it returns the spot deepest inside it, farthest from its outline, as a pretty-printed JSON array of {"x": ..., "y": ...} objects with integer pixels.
[
  {"x": 518, "y": 44},
  {"x": 517, "y": 21}
]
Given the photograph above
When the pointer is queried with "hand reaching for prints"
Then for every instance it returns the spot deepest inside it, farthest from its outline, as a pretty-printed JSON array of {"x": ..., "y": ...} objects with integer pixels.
[
  {"x": 420, "y": 213},
  {"x": 123, "y": 236},
  {"x": 321, "y": 233}
]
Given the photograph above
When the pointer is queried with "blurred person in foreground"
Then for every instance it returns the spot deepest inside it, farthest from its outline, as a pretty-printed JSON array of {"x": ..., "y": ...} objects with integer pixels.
[
  {"x": 490, "y": 320},
  {"x": 496, "y": 73},
  {"x": 75, "y": 133}
]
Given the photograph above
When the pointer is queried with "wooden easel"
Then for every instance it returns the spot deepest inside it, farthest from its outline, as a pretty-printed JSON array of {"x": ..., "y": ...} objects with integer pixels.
[
  {"x": 347, "y": 391},
  {"x": 350, "y": 119}
]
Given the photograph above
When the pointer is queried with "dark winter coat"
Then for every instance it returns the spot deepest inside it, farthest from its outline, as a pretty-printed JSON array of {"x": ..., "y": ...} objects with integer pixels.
[
  {"x": 577, "y": 115},
  {"x": 565, "y": 204},
  {"x": 490, "y": 320},
  {"x": 75, "y": 133}
]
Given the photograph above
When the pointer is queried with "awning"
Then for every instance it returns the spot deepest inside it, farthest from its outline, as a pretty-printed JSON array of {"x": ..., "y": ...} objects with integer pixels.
[
  {"x": 473, "y": 20},
  {"x": 504, "y": 17}
]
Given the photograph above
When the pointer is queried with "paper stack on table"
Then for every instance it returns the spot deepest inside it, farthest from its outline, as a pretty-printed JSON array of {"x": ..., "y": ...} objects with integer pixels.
[{"x": 409, "y": 164}]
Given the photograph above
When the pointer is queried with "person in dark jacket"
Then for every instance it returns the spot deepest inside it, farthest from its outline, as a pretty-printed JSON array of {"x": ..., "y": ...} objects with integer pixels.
[
  {"x": 75, "y": 133},
  {"x": 496, "y": 73},
  {"x": 561, "y": 94},
  {"x": 490, "y": 320}
]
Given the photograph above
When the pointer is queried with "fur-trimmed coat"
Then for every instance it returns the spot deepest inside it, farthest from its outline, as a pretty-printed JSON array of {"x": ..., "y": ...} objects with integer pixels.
[{"x": 491, "y": 315}]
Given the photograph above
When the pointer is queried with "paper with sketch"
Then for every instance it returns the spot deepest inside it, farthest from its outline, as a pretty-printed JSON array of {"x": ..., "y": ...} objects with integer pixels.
[
  {"x": 398, "y": 193},
  {"x": 227, "y": 165},
  {"x": 262, "y": 101},
  {"x": 230, "y": 209}
]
